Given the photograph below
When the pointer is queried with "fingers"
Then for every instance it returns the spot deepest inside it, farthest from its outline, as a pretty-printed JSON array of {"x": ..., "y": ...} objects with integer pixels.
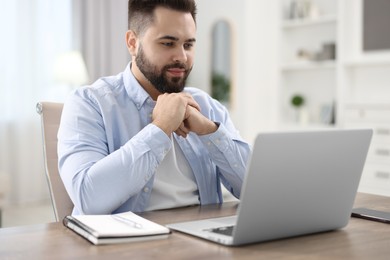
[
  {"x": 191, "y": 101},
  {"x": 181, "y": 133},
  {"x": 172, "y": 110},
  {"x": 182, "y": 130}
]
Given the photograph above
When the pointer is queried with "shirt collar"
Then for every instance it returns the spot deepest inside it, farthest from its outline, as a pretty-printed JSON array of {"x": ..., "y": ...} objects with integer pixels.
[{"x": 135, "y": 91}]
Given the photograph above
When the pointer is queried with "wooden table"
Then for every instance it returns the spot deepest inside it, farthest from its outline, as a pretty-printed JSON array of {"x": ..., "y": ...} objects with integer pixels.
[{"x": 361, "y": 239}]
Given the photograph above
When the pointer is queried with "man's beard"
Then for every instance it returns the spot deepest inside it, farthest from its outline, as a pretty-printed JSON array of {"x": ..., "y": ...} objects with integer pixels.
[{"x": 158, "y": 78}]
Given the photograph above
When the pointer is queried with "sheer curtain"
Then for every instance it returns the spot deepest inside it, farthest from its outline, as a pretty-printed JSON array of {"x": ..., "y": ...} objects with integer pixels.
[
  {"x": 99, "y": 30},
  {"x": 33, "y": 33}
]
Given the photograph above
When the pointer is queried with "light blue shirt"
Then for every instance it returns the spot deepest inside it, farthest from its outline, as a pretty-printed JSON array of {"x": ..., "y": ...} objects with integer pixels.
[{"x": 109, "y": 151}]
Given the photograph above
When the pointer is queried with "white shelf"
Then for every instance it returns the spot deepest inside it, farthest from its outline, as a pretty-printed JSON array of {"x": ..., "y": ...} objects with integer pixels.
[
  {"x": 372, "y": 105},
  {"x": 316, "y": 80},
  {"x": 308, "y": 65},
  {"x": 376, "y": 62},
  {"x": 298, "y": 23}
]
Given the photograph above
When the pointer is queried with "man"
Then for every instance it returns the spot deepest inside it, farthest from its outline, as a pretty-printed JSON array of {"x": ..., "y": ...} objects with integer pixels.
[{"x": 141, "y": 140}]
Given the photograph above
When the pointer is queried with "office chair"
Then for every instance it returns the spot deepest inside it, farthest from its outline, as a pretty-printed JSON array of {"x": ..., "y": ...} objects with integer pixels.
[{"x": 50, "y": 121}]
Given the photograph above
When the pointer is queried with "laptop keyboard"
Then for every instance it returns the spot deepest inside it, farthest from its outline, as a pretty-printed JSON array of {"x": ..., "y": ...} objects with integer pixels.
[{"x": 227, "y": 231}]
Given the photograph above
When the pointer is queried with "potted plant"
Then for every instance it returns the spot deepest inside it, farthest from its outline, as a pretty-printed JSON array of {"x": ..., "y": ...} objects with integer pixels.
[
  {"x": 220, "y": 88},
  {"x": 298, "y": 102}
]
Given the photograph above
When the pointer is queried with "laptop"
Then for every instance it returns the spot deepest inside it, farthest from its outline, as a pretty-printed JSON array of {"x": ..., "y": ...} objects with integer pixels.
[{"x": 297, "y": 183}]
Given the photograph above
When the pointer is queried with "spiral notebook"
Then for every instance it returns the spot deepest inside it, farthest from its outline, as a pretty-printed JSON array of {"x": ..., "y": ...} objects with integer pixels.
[{"x": 117, "y": 228}]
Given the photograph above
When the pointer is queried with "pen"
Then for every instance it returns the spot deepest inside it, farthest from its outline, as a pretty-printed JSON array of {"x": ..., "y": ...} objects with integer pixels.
[{"x": 127, "y": 221}]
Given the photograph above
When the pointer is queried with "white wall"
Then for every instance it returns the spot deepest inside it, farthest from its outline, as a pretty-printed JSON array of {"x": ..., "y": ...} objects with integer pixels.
[
  {"x": 99, "y": 32},
  {"x": 254, "y": 56}
]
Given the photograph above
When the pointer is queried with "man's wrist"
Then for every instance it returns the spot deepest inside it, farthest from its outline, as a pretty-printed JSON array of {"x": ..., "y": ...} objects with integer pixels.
[
  {"x": 166, "y": 130},
  {"x": 212, "y": 127}
]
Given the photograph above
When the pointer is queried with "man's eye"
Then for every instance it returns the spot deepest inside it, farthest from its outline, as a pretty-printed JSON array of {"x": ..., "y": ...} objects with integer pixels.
[
  {"x": 168, "y": 44},
  {"x": 188, "y": 46}
]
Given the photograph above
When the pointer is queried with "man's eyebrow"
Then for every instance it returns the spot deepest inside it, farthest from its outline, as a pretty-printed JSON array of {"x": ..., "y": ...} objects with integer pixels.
[
  {"x": 191, "y": 40},
  {"x": 168, "y": 37},
  {"x": 172, "y": 38}
]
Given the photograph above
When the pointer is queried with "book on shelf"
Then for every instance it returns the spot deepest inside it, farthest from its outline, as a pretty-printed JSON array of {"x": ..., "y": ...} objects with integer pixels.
[{"x": 116, "y": 228}]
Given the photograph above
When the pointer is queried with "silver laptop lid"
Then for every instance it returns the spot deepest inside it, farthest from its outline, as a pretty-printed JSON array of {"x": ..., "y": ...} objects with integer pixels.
[{"x": 300, "y": 183}]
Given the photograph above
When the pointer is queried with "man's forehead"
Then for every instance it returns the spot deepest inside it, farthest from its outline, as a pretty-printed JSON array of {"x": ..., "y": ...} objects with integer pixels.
[{"x": 172, "y": 24}]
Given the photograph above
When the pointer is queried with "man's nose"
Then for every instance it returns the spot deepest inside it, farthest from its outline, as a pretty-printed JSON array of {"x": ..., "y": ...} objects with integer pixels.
[{"x": 180, "y": 55}]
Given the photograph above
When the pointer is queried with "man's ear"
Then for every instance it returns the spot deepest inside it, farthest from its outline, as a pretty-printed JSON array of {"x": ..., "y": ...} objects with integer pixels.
[{"x": 131, "y": 42}]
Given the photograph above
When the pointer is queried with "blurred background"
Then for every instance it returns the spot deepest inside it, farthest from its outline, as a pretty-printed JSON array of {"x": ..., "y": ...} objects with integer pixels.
[{"x": 277, "y": 65}]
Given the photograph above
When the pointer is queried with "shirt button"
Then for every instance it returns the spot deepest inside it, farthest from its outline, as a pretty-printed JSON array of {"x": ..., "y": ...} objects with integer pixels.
[
  {"x": 208, "y": 143},
  {"x": 146, "y": 189}
]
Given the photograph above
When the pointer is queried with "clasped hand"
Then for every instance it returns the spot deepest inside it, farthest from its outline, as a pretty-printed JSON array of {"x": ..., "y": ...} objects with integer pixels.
[{"x": 180, "y": 113}]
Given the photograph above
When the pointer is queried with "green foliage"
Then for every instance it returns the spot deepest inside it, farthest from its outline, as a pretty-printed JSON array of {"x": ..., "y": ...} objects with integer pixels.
[
  {"x": 297, "y": 101},
  {"x": 220, "y": 87}
]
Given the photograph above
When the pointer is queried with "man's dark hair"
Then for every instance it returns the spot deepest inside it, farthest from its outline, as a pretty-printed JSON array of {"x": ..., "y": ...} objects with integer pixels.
[{"x": 140, "y": 12}]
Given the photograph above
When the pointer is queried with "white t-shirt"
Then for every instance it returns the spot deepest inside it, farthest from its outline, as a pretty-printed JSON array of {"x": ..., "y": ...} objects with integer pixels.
[{"x": 174, "y": 183}]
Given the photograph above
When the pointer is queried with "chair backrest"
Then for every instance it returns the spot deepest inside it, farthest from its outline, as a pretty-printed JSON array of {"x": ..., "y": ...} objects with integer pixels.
[{"x": 50, "y": 120}]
